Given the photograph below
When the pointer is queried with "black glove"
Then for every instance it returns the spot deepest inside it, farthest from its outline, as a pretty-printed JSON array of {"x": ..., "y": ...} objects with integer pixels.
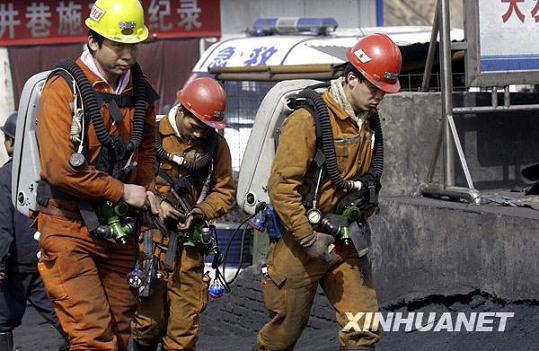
[
  {"x": 371, "y": 180},
  {"x": 371, "y": 188},
  {"x": 319, "y": 246}
]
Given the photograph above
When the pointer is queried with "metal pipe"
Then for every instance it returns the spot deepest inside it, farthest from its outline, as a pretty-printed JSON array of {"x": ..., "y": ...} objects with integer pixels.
[
  {"x": 489, "y": 109},
  {"x": 459, "y": 46},
  {"x": 242, "y": 69},
  {"x": 493, "y": 97},
  {"x": 263, "y": 76},
  {"x": 432, "y": 49},
  {"x": 434, "y": 160},
  {"x": 269, "y": 76},
  {"x": 460, "y": 152},
  {"x": 447, "y": 90},
  {"x": 315, "y": 76},
  {"x": 380, "y": 13},
  {"x": 314, "y": 68},
  {"x": 439, "y": 190},
  {"x": 506, "y": 97}
]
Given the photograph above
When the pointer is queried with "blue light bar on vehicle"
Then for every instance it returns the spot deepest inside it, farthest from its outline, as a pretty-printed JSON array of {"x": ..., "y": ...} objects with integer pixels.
[{"x": 291, "y": 25}]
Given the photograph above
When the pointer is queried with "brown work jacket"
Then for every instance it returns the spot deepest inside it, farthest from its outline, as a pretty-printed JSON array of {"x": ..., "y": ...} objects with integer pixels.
[
  {"x": 294, "y": 170},
  {"x": 222, "y": 190},
  {"x": 55, "y": 147}
]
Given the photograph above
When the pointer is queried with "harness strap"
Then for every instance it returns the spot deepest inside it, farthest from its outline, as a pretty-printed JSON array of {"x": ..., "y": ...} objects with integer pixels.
[
  {"x": 115, "y": 102},
  {"x": 122, "y": 101},
  {"x": 147, "y": 246},
  {"x": 89, "y": 216}
]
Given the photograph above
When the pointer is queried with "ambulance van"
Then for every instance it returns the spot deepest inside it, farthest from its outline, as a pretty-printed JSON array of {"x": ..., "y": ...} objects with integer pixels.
[{"x": 277, "y": 49}]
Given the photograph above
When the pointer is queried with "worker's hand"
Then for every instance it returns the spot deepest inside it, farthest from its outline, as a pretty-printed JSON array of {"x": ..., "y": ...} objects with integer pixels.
[
  {"x": 195, "y": 216},
  {"x": 370, "y": 179},
  {"x": 2, "y": 276},
  {"x": 320, "y": 246},
  {"x": 168, "y": 212},
  {"x": 134, "y": 195},
  {"x": 153, "y": 202}
]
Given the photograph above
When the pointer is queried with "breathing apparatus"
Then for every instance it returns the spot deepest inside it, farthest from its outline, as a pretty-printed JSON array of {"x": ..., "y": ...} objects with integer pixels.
[
  {"x": 201, "y": 235},
  {"x": 204, "y": 236},
  {"x": 362, "y": 193},
  {"x": 106, "y": 220},
  {"x": 200, "y": 164},
  {"x": 332, "y": 224},
  {"x": 119, "y": 225},
  {"x": 325, "y": 156},
  {"x": 86, "y": 104},
  {"x": 181, "y": 187}
]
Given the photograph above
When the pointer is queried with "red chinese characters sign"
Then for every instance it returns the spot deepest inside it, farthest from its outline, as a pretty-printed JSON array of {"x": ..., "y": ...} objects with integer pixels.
[
  {"x": 25, "y": 22},
  {"x": 513, "y": 7}
]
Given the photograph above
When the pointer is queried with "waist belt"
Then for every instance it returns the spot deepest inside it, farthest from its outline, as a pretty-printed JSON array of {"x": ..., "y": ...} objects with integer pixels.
[
  {"x": 46, "y": 192},
  {"x": 54, "y": 211}
]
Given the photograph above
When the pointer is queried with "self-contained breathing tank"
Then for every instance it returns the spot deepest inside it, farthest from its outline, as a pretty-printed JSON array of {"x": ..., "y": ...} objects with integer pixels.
[
  {"x": 260, "y": 150},
  {"x": 26, "y": 163},
  {"x": 279, "y": 103}
]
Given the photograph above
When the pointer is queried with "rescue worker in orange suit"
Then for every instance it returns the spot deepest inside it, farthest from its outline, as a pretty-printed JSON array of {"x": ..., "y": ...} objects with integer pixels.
[
  {"x": 19, "y": 279},
  {"x": 306, "y": 257},
  {"x": 171, "y": 314},
  {"x": 84, "y": 270}
]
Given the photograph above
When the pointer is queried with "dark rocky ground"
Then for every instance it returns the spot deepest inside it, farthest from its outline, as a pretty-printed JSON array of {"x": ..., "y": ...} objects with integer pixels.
[{"x": 231, "y": 323}]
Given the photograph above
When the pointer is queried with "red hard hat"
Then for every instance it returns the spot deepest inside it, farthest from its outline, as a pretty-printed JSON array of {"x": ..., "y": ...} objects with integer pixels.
[
  {"x": 379, "y": 59},
  {"x": 206, "y": 99}
]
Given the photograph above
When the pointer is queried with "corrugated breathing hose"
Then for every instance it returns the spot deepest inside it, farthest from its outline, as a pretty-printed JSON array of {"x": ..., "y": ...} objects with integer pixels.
[
  {"x": 315, "y": 101},
  {"x": 92, "y": 108},
  {"x": 199, "y": 164}
]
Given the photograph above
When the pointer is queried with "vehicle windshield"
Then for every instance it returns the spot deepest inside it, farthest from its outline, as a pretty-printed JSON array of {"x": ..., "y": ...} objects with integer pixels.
[{"x": 243, "y": 100}]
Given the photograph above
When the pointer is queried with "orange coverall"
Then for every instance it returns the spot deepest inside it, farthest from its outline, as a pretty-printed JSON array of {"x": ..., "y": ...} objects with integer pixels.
[
  {"x": 86, "y": 277},
  {"x": 295, "y": 277},
  {"x": 171, "y": 315}
]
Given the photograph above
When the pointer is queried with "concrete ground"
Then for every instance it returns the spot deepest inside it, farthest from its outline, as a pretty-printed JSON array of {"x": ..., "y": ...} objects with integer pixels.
[
  {"x": 428, "y": 255},
  {"x": 224, "y": 330}
]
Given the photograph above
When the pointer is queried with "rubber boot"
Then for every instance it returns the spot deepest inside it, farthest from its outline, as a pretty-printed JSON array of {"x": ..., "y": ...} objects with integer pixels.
[
  {"x": 6, "y": 341},
  {"x": 139, "y": 347}
]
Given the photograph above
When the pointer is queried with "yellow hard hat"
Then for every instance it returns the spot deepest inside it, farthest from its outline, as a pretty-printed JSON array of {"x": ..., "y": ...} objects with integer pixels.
[{"x": 118, "y": 20}]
